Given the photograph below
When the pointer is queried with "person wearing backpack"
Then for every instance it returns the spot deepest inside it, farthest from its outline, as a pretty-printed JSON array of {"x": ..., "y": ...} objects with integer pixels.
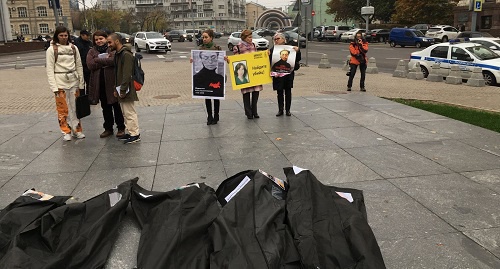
[
  {"x": 246, "y": 46},
  {"x": 207, "y": 36},
  {"x": 124, "y": 87},
  {"x": 100, "y": 61},
  {"x": 65, "y": 76}
]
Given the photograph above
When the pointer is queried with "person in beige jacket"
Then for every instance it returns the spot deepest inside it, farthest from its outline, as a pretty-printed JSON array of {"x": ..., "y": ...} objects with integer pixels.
[{"x": 65, "y": 75}]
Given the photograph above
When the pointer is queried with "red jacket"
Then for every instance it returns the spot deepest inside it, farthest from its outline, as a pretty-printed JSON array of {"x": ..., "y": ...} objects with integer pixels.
[{"x": 357, "y": 49}]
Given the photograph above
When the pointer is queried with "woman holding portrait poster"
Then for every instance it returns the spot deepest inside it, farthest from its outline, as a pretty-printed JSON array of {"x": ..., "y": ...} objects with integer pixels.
[
  {"x": 283, "y": 81},
  {"x": 208, "y": 36},
  {"x": 246, "y": 46}
]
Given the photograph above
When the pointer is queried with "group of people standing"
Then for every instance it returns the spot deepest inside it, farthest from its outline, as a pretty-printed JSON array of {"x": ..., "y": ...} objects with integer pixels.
[{"x": 102, "y": 68}]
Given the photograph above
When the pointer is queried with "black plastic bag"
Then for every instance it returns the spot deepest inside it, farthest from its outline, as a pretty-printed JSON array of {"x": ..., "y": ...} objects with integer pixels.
[{"x": 82, "y": 105}]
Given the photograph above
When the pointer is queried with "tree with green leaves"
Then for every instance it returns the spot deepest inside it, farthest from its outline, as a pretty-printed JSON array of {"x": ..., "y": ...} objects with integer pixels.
[
  {"x": 424, "y": 11},
  {"x": 351, "y": 9}
]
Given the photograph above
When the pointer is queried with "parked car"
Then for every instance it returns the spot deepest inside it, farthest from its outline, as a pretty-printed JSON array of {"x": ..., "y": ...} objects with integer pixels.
[
  {"x": 124, "y": 35},
  {"x": 319, "y": 32},
  {"x": 333, "y": 33},
  {"x": 266, "y": 32},
  {"x": 151, "y": 41},
  {"x": 179, "y": 35},
  {"x": 289, "y": 28},
  {"x": 470, "y": 34},
  {"x": 466, "y": 54},
  {"x": 349, "y": 35},
  {"x": 442, "y": 33},
  {"x": 218, "y": 34},
  {"x": 293, "y": 39},
  {"x": 195, "y": 33},
  {"x": 490, "y": 42},
  {"x": 260, "y": 42},
  {"x": 131, "y": 38},
  {"x": 422, "y": 27},
  {"x": 408, "y": 37},
  {"x": 378, "y": 35}
]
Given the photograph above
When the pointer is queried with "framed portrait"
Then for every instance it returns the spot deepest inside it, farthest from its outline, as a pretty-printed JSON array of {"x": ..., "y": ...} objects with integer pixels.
[{"x": 283, "y": 60}]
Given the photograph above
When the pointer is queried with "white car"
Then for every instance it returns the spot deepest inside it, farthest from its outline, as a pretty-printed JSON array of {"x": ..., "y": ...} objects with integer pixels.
[
  {"x": 151, "y": 41},
  {"x": 349, "y": 35},
  {"x": 466, "y": 55},
  {"x": 490, "y": 42},
  {"x": 260, "y": 42},
  {"x": 442, "y": 33}
]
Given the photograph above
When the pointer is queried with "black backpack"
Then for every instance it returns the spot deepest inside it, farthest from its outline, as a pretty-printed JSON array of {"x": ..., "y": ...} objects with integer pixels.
[{"x": 138, "y": 75}]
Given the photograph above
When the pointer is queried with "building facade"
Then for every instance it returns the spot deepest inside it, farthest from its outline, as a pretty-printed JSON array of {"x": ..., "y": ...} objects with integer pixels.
[
  {"x": 488, "y": 20},
  {"x": 219, "y": 15},
  {"x": 32, "y": 18}
]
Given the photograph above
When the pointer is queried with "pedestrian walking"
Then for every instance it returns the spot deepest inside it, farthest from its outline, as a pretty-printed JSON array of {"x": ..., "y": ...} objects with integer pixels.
[
  {"x": 84, "y": 44},
  {"x": 65, "y": 76},
  {"x": 358, "y": 48},
  {"x": 283, "y": 83},
  {"x": 250, "y": 104},
  {"x": 100, "y": 62},
  {"x": 207, "y": 44},
  {"x": 124, "y": 87}
]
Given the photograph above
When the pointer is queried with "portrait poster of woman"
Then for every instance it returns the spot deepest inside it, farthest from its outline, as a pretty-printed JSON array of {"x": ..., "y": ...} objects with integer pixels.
[{"x": 241, "y": 72}]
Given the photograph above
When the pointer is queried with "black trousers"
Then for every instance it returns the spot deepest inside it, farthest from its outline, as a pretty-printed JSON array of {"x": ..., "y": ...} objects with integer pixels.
[
  {"x": 286, "y": 99},
  {"x": 208, "y": 105},
  {"x": 107, "y": 112},
  {"x": 251, "y": 107},
  {"x": 362, "y": 69}
]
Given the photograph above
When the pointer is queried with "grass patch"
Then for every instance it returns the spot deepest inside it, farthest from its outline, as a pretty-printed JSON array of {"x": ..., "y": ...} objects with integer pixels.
[{"x": 485, "y": 119}]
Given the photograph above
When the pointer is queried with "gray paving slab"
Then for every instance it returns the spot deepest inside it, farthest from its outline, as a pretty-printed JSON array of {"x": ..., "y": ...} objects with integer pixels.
[
  {"x": 305, "y": 107},
  {"x": 263, "y": 151},
  {"x": 230, "y": 105},
  {"x": 452, "y": 250},
  {"x": 53, "y": 184},
  {"x": 124, "y": 252},
  {"x": 371, "y": 117},
  {"x": 456, "y": 129},
  {"x": 186, "y": 151},
  {"x": 387, "y": 204},
  {"x": 456, "y": 155},
  {"x": 344, "y": 106},
  {"x": 410, "y": 114},
  {"x": 281, "y": 124},
  {"x": 6, "y": 135},
  {"x": 488, "y": 143},
  {"x": 185, "y": 108},
  {"x": 273, "y": 165},
  {"x": 406, "y": 133},
  {"x": 487, "y": 238},
  {"x": 488, "y": 178},
  {"x": 333, "y": 166},
  {"x": 186, "y": 131},
  {"x": 169, "y": 177},
  {"x": 300, "y": 142},
  {"x": 4, "y": 179},
  {"x": 325, "y": 120},
  {"x": 186, "y": 118},
  {"x": 234, "y": 127},
  {"x": 98, "y": 181},
  {"x": 151, "y": 130},
  {"x": 117, "y": 155},
  {"x": 353, "y": 137},
  {"x": 324, "y": 98},
  {"x": 396, "y": 161},
  {"x": 463, "y": 203}
]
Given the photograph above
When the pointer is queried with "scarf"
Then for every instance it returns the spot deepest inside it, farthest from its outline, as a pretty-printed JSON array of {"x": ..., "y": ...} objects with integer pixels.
[
  {"x": 102, "y": 49},
  {"x": 208, "y": 46}
]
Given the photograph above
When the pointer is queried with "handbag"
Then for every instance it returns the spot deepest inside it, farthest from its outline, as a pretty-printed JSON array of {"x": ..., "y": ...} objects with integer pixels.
[{"x": 82, "y": 105}]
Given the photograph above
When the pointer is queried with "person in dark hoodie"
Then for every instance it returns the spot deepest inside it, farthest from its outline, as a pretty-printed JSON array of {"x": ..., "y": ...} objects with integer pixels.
[
  {"x": 84, "y": 44},
  {"x": 207, "y": 79}
]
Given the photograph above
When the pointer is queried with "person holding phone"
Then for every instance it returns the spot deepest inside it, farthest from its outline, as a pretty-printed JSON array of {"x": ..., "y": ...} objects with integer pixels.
[{"x": 358, "y": 49}]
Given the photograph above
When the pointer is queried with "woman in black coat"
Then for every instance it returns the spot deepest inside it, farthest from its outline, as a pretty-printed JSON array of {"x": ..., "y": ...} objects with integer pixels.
[{"x": 283, "y": 82}]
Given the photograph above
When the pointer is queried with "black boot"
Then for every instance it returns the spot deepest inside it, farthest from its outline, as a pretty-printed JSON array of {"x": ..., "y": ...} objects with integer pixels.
[
  {"x": 255, "y": 99},
  {"x": 208, "y": 105},
  {"x": 288, "y": 113},
  {"x": 216, "y": 119},
  {"x": 216, "y": 111},
  {"x": 247, "y": 105},
  {"x": 210, "y": 120},
  {"x": 280, "y": 113}
]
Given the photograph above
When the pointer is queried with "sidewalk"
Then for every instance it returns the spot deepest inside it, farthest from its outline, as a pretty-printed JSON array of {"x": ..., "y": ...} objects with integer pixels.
[{"x": 431, "y": 184}]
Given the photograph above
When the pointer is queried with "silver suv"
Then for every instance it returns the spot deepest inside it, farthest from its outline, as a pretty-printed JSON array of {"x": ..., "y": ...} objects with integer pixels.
[{"x": 334, "y": 32}]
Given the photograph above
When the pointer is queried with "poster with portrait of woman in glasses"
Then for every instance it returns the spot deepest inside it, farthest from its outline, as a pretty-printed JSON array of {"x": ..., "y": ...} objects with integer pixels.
[
  {"x": 283, "y": 60},
  {"x": 208, "y": 74}
]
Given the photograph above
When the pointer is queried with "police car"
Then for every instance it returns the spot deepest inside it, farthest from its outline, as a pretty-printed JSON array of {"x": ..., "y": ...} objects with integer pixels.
[{"x": 466, "y": 54}]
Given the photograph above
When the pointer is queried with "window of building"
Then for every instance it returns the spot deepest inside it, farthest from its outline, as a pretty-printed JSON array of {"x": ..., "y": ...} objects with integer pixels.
[
  {"x": 486, "y": 22},
  {"x": 44, "y": 28},
  {"x": 24, "y": 29},
  {"x": 22, "y": 12},
  {"x": 10, "y": 13},
  {"x": 41, "y": 11},
  {"x": 222, "y": 14},
  {"x": 200, "y": 15},
  {"x": 202, "y": 23},
  {"x": 59, "y": 12},
  {"x": 221, "y": 6},
  {"x": 177, "y": 24}
]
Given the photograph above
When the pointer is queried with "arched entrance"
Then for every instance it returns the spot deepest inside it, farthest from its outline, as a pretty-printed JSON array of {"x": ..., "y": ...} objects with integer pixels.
[{"x": 273, "y": 19}]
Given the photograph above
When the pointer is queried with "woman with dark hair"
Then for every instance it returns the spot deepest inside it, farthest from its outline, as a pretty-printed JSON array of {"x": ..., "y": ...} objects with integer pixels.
[
  {"x": 358, "y": 49},
  {"x": 246, "y": 46},
  {"x": 65, "y": 76},
  {"x": 208, "y": 36},
  {"x": 100, "y": 61},
  {"x": 241, "y": 74}
]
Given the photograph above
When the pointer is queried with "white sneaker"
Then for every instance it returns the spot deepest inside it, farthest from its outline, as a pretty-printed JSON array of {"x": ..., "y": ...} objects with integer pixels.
[
  {"x": 67, "y": 137},
  {"x": 79, "y": 135}
]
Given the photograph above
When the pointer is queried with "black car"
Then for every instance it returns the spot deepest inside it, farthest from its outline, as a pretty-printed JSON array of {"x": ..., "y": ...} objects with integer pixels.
[
  {"x": 218, "y": 34},
  {"x": 179, "y": 35},
  {"x": 470, "y": 34},
  {"x": 378, "y": 35},
  {"x": 293, "y": 39},
  {"x": 267, "y": 32}
]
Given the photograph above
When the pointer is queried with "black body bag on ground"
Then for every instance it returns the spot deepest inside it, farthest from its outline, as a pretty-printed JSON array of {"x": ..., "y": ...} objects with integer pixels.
[
  {"x": 77, "y": 235},
  {"x": 330, "y": 230},
  {"x": 250, "y": 231},
  {"x": 174, "y": 226}
]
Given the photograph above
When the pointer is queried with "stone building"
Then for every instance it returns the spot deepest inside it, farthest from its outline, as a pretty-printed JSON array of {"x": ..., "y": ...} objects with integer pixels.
[
  {"x": 488, "y": 20},
  {"x": 32, "y": 18}
]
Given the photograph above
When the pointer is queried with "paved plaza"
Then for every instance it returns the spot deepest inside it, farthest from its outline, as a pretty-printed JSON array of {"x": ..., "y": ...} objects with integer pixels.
[{"x": 431, "y": 184}]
